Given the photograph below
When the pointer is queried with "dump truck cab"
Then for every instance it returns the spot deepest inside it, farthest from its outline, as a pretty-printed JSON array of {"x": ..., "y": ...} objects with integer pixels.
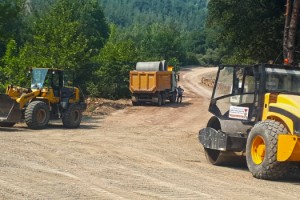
[{"x": 256, "y": 112}]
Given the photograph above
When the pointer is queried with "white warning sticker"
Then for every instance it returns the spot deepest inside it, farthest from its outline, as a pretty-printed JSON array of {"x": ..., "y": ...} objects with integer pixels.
[{"x": 237, "y": 112}]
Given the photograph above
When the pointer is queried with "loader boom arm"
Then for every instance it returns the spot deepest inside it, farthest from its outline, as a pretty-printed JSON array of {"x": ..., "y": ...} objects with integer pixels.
[{"x": 24, "y": 99}]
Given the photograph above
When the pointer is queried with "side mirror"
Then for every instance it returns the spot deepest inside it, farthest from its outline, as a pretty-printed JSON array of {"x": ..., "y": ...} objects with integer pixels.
[{"x": 29, "y": 73}]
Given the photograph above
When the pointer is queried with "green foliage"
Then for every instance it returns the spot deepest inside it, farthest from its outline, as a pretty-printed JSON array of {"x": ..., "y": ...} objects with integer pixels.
[
  {"x": 12, "y": 73},
  {"x": 188, "y": 15},
  {"x": 11, "y": 24},
  {"x": 161, "y": 42},
  {"x": 250, "y": 31},
  {"x": 117, "y": 58},
  {"x": 152, "y": 23},
  {"x": 74, "y": 34},
  {"x": 68, "y": 36}
]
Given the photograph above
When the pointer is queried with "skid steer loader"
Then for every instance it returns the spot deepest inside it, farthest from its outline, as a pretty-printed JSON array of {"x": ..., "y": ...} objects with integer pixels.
[
  {"x": 47, "y": 98},
  {"x": 256, "y": 113}
]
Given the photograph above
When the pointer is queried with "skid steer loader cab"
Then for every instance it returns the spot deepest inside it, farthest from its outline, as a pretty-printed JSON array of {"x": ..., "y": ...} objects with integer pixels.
[
  {"x": 256, "y": 112},
  {"x": 47, "y": 98}
]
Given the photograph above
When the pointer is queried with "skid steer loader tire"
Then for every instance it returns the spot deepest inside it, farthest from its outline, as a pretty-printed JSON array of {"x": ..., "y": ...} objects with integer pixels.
[
  {"x": 7, "y": 124},
  {"x": 261, "y": 151},
  {"x": 37, "y": 115},
  {"x": 72, "y": 116}
]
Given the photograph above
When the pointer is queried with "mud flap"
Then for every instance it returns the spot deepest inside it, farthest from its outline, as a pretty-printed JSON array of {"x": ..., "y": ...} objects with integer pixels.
[
  {"x": 218, "y": 140},
  {"x": 9, "y": 109}
]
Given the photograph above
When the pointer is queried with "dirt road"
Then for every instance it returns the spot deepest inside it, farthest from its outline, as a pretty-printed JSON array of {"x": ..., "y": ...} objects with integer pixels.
[{"x": 143, "y": 152}]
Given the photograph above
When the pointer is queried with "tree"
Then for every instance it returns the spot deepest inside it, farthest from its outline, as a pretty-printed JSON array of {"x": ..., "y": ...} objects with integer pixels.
[
  {"x": 11, "y": 12},
  {"x": 135, "y": 18},
  {"x": 162, "y": 42},
  {"x": 117, "y": 58},
  {"x": 68, "y": 36},
  {"x": 251, "y": 30},
  {"x": 289, "y": 38}
]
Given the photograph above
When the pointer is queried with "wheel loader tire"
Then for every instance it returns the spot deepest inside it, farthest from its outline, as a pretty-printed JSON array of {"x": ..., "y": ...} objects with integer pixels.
[
  {"x": 7, "y": 124},
  {"x": 37, "y": 115},
  {"x": 261, "y": 151},
  {"x": 72, "y": 116}
]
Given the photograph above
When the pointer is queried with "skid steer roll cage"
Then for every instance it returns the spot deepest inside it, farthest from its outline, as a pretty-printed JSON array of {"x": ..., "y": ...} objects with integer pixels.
[{"x": 263, "y": 81}]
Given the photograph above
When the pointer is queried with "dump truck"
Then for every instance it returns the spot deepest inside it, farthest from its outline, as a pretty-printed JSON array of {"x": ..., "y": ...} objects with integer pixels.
[
  {"x": 49, "y": 97},
  {"x": 256, "y": 115},
  {"x": 153, "y": 82}
]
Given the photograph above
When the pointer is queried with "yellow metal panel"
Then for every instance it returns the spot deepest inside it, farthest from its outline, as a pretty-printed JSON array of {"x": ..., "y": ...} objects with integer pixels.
[
  {"x": 164, "y": 80},
  {"x": 135, "y": 81},
  {"x": 27, "y": 97},
  {"x": 170, "y": 68},
  {"x": 143, "y": 81},
  {"x": 266, "y": 107},
  {"x": 292, "y": 100},
  {"x": 290, "y": 106},
  {"x": 150, "y": 82},
  {"x": 288, "y": 148}
]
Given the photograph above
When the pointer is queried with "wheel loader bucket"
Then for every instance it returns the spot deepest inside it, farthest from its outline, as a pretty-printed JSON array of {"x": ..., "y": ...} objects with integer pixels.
[{"x": 9, "y": 109}]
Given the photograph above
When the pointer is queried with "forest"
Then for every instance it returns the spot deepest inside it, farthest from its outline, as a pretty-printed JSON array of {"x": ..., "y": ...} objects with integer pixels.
[{"x": 101, "y": 40}]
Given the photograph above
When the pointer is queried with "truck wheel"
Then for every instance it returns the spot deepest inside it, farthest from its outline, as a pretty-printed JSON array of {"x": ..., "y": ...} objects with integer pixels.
[
  {"x": 159, "y": 101},
  {"x": 261, "y": 151},
  {"x": 7, "y": 124},
  {"x": 163, "y": 99},
  {"x": 72, "y": 116},
  {"x": 37, "y": 115},
  {"x": 173, "y": 98},
  {"x": 135, "y": 103}
]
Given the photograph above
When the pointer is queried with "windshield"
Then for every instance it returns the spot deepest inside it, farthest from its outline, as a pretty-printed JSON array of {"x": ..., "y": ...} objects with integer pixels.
[
  {"x": 38, "y": 78},
  {"x": 282, "y": 80}
]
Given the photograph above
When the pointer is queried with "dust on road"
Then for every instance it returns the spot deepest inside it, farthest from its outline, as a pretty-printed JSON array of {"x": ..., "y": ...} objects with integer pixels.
[{"x": 143, "y": 152}]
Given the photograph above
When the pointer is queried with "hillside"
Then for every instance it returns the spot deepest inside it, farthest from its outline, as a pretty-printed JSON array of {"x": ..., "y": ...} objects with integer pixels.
[{"x": 187, "y": 14}]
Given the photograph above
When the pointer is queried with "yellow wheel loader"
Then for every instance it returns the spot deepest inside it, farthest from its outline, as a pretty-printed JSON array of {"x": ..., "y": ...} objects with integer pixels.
[
  {"x": 47, "y": 98},
  {"x": 256, "y": 112}
]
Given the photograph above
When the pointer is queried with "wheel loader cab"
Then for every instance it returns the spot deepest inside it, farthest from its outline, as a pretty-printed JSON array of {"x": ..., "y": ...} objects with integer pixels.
[
  {"x": 49, "y": 80},
  {"x": 51, "y": 84}
]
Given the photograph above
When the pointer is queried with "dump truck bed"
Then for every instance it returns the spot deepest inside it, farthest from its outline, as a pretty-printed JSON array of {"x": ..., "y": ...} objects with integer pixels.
[{"x": 150, "y": 81}]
